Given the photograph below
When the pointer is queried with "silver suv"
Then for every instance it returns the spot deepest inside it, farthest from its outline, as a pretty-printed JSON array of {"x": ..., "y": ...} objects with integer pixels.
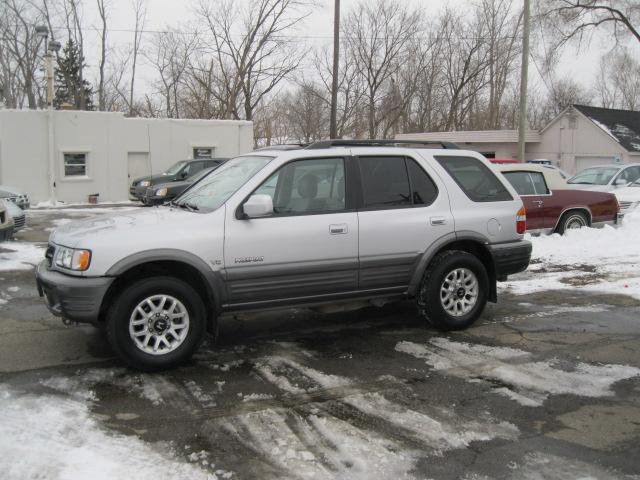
[{"x": 335, "y": 221}]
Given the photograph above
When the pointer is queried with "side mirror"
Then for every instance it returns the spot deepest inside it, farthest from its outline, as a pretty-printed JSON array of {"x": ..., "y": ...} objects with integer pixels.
[
  {"x": 621, "y": 182},
  {"x": 183, "y": 174},
  {"x": 258, "y": 206}
]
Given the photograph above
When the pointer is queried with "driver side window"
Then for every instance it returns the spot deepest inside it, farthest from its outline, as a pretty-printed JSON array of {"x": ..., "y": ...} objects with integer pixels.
[{"x": 307, "y": 186}]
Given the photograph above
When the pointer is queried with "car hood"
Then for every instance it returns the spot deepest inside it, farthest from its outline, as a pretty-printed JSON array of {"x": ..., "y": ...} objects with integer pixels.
[
  {"x": 155, "y": 179},
  {"x": 140, "y": 225},
  {"x": 172, "y": 185},
  {"x": 628, "y": 194}
]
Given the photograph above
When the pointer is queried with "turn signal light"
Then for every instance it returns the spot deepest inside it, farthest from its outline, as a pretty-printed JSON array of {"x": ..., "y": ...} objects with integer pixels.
[{"x": 521, "y": 221}]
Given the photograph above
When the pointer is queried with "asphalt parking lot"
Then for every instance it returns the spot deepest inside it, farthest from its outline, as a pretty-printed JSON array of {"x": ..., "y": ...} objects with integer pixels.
[{"x": 545, "y": 386}]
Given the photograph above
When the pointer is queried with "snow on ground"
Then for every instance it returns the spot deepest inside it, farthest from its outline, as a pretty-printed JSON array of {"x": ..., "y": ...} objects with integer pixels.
[
  {"x": 20, "y": 255},
  {"x": 513, "y": 372},
  {"x": 591, "y": 259},
  {"x": 51, "y": 437}
]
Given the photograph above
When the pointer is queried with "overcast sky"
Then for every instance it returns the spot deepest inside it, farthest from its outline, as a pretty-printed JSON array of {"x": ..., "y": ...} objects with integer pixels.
[{"x": 317, "y": 29}]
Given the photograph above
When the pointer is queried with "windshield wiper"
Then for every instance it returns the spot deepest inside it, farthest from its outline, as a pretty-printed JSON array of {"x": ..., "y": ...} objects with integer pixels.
[{"x": 188, "y": 206}]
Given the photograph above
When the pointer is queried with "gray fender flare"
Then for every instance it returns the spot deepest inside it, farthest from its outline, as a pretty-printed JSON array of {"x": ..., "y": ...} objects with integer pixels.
[{"x": 213, "y": 279}]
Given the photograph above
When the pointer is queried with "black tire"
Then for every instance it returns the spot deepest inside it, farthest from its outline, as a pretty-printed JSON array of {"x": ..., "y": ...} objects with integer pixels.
[
  {"x": 572, "y": 219},
  {"x": 118, "y": 317},
  {"x": 430, "y": 304}
]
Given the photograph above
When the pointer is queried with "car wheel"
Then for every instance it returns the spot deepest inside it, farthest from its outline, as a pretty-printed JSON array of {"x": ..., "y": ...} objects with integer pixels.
[
  {"x": 572, "y": 221},
  {"x": 453, "y": 291},
  {"x": 156, "y": 323}
]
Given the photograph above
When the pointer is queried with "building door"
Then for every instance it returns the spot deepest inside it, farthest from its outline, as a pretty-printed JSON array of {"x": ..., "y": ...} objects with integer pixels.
[{"x": 138, "y": 165}]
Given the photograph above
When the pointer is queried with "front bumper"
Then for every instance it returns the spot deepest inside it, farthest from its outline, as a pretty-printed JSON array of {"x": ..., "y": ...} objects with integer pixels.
[
  {"x": 511, "y": 257},
  {"x": 74, "y": 298},
  {"x": 6, "y": 233},
  {"x": 137, "y": 192}
]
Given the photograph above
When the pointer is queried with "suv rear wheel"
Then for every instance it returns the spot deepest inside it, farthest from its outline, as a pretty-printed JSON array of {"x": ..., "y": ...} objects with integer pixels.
[
  {"x": 454, "y": 290},
  {"x": 156, "y": 323}
]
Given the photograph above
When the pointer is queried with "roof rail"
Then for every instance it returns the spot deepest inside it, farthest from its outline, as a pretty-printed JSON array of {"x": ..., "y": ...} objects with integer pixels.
[
  {"x": 284, "y": 146},
  {"x": 380, "y": 143}
]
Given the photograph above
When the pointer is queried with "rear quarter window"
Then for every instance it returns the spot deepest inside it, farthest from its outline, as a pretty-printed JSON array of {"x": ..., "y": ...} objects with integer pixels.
[{"x": 475, "y": 179}]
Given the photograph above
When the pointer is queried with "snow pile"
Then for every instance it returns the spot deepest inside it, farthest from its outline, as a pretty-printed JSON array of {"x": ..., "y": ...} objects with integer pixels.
[
  {"x": 49, "y": 437},
  {"x": 514, "y": 374},
  {"x": 606, "y": 259},
  {"x": 20, "y": 255}
]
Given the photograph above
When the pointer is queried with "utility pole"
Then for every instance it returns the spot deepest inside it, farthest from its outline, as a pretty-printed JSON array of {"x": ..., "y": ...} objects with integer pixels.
[
  {"x": 50, "y": 47},
  {"x": 333, "y": 122},
  {"x": 524, "y": 73}
]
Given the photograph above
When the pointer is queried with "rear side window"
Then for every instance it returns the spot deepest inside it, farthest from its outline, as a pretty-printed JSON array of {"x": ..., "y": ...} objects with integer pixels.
[
  {"x": 527, "y": 183},
  {"x": 475, "y": 179},
  {"x": 395, "y": 182}
]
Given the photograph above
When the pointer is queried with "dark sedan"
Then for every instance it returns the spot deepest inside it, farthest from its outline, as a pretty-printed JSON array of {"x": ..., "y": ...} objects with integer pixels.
[
  {"x": 165, "y": 192},
  {"x": 178, "y": 172},
  {"x": 552, "y": 207}
]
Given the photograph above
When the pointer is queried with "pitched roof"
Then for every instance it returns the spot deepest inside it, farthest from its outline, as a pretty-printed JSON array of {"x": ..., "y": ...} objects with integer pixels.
[{"x": 622, "y": 125}]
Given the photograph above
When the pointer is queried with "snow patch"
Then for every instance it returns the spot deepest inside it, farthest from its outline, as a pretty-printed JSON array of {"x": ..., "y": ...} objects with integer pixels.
[
  {"x": 20, "y": 256},
  {"x": 516, "y": 376},
  {"x": 49, "y": 437}
]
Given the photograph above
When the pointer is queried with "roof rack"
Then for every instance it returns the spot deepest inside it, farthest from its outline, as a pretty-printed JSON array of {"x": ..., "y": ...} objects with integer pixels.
[
  {"x": 284, "y": 146},
  {"x": 380, "y": 143}
]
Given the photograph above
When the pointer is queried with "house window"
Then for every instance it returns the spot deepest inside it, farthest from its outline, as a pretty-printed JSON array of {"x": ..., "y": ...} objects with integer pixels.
[
  {"x": 202, "y": 152},
  {"x": 75, "y": 164}
]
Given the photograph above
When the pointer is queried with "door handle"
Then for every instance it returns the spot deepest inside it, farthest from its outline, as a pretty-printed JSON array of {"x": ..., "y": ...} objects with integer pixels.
[
  {"x": 338, "y": 228},
  {"x": 438, "y": 221},
  {"x": 539, "y": 202}
]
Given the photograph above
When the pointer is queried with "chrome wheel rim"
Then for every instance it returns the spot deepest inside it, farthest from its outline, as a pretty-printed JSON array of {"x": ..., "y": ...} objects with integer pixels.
[
  {"x": 459, "y": 292},
  {"x": 159, "y": 324},
  {"x": 575, "y": 221}
]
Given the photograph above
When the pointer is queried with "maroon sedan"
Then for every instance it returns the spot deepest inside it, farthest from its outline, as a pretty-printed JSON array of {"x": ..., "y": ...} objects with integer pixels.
[{"x": 552, "y": 207}]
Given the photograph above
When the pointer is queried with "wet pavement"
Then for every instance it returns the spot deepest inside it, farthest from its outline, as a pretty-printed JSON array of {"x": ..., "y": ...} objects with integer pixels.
[{"x": 544, "y": 386}]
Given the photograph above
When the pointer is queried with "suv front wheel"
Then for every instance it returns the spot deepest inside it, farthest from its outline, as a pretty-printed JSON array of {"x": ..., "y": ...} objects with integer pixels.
[
  {"x": 156, "y": 323},
  {"x": 454, "y": 290}
]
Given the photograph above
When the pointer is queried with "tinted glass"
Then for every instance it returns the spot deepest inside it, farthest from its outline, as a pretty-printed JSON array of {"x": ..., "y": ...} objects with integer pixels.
[
  {"x": 307, "y": 186},
  {"x": 521, "y": 181},
  {"x": 385, "y": 181},
  {"x": 423, "y": 190},
  {"x": 539, "y": 183},
  {"x": 476, "y": 180}
]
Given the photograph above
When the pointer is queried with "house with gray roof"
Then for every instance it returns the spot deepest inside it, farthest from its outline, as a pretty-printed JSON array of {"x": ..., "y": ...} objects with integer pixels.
[{"x": 579, "y": 137}]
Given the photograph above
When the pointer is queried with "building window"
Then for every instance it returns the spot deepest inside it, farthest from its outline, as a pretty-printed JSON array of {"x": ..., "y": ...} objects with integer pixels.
[
  {"x": 75, "y": 164},
  {"x": 202, "y": 152}
]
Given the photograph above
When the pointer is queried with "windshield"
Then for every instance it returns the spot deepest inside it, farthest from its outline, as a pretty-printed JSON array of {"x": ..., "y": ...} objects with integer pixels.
[
  {"x": 594, "y": 176},
  {"x": 211, "y": 192},
  {"x": 175, "y": 168},
  {"x": 202, "y": 174}
]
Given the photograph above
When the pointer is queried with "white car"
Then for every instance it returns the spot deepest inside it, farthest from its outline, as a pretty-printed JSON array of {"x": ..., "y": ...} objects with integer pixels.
[
  {"x": 628, "y": 197},
  {"x": 605, "y": 178},
  {"x": 15, "y": 195}
]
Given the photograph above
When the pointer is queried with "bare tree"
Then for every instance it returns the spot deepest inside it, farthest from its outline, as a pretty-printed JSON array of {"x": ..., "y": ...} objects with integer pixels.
[
  {"x": 618, "y": 82},
  {"x": 140, "y": 12},
  {"x": 103, "y": 6},
  {"x": 252, "y": 50},
  {"x": 572, "y": 19}
]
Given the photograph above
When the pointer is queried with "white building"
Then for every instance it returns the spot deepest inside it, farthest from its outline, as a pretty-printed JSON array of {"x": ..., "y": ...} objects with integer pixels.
[
  {"x": 99, "y": 152},
  {"x": 580, "y": 137}
]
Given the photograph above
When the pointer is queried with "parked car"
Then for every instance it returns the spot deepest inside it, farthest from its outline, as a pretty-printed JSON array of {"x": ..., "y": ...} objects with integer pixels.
[
  {"x": 337, "y": 221},
  {"x": 552, "y": 207},
  {"x": 628, "y": 197},
  {"x": 15, "y": 195},
  {"x": 165, "y": 192},
  {"x": 502, "y": 161},
  {"x": 6, "y": 222},
  {"x": 178, "y": 172},
  {"x": 606, "y": 178},
  {"x": 18, "y": 215}
]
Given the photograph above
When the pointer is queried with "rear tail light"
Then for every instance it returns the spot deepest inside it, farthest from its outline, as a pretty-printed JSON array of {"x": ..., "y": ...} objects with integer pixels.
[{"x": 521, "y": 221}]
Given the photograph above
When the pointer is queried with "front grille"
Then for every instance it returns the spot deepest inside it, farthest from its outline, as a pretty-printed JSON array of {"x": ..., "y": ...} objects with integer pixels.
[
  {"x": 49, "y": 254},
  {"x": 19, "y": 221}
]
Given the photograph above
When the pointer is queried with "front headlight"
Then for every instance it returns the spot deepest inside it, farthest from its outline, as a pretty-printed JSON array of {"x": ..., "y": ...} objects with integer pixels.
[
  {"x": 145, "y": 183},
  {"x": 73, "y": 259},
  {"x": 161, "y": 192}
]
